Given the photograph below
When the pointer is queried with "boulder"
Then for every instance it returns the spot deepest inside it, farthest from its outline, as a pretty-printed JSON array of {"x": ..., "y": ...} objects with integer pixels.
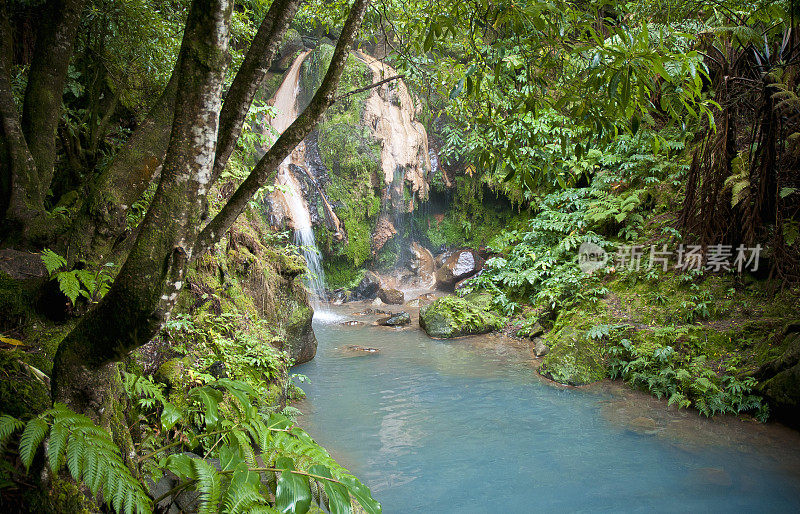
[
  {"x": 391, "y": 296},
  {"x": 451, "y": 316},
  {"x": 367, "y": 289},
  {"x": 395, "y": 320},
  {"x": 423, "y": 262},
  {"x": 460, "y": 265},
  {"x": 540, "y": 348},
  {"x": 573, "y": 359},
  {"x": 300, "y": 338}
]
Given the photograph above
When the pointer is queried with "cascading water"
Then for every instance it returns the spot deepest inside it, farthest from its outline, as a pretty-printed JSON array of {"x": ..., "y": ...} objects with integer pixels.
[{"x": 285, "y": 102}]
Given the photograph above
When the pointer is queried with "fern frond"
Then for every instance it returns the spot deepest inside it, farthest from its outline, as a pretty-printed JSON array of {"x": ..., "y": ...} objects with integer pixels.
[
  {"x": 31, "y": 438},
  {"x": 52, "y": 261},
  {"x": 208, "y": 484},
  {"x": 8, "y": 426}
]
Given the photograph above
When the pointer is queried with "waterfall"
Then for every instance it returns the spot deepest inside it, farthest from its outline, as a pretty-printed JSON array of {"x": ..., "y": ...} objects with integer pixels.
[{"x": 290, "y": 192}]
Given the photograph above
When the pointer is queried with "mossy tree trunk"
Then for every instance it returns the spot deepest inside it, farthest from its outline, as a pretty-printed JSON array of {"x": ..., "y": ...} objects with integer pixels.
[
  {"x": 169, "y": 237},
  {"x": 148, "y": 283},
  {"x": 30, "y": 140},
  {"x": 101, "y": 223}
]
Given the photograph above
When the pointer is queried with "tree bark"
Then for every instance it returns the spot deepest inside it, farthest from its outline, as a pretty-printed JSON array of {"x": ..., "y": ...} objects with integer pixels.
[
  {"x": 291, "y": 137},
  {"x": 248, "y": 79},
  {"x": 41, "y": 109},
  {"x": 148, "y": 283},
  {"x": 21, "y": 195},
  {"x": 102, "y": 217}
]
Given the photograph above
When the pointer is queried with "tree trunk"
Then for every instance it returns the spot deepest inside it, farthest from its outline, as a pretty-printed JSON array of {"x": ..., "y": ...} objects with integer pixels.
[
  {"x": 148, "y": 283},
  {"x": 102, "y": 218},
  {"x": 21, "y": 195},
  {"x": 41, "y": 109}
]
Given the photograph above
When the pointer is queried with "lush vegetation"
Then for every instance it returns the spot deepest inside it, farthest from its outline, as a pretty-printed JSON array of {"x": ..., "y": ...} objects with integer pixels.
[{"x": 151, "y": 313}]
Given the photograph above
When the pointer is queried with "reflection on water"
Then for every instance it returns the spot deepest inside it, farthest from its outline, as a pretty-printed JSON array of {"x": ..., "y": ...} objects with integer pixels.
[{"x": 468, "y": 426}]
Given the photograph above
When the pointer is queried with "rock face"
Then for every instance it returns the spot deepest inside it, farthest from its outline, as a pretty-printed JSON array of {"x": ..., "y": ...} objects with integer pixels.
[
  {"x": 779, "y": 380},
  {"x": 395, "y": 320},
  {"x": 391, "y": 296},
  {"x": 573, "y": 359},
  {"x": 460, "y": 265},
  {"x": 451, "y": 316},
  {"x": 367, "y": 289}
]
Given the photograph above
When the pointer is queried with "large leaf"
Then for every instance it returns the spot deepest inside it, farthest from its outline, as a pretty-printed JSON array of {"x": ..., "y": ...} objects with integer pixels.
[
  {"x": 361, "y": 493},
  {"x": 293, "y": 493},
  {"x": 338, "y": 497}
]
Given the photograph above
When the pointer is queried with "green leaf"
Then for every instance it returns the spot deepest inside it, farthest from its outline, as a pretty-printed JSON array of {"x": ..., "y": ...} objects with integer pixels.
[
  {"x": 338, "y": 497},
  {"x": 31, "y": 438},
  {"x": 170, "y": 416},
  {"x": 786, "y": 191},
  {"x": 208, "y": 484},
  {"x": 69, "y": 285},
  {"x": 361, "y": 493},
  {"x": 292, "y": 493}
]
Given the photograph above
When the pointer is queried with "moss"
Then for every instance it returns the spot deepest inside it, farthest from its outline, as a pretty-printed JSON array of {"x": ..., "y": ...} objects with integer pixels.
[
  {"x": 21, "y": 394},
  {"x": 451, "y": 316},
  {"x": 341, "y": 273},
  {"x": 573, "y": 359}
]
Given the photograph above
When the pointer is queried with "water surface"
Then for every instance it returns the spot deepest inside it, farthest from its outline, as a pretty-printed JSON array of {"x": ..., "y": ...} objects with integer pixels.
[{"x": 468, "y": 426}]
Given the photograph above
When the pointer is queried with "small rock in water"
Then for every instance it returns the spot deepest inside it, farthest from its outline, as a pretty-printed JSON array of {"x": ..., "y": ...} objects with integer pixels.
[
  {"x": 377, "y": 301},
  {"x": 395, "y": 320},
  {"x": 360, "y": 350},
  {"x": 366, "y": 312},
  {"x": 643, "y": 425},
  {"x": 540, "y": 348},
  {"x": 391, "y": 296},
  {"x": 381, "y": 311},
  {"x": 351, "y": 323},
  {"x": 427, "y": 297},
  {"x": 413, "y": 303}
]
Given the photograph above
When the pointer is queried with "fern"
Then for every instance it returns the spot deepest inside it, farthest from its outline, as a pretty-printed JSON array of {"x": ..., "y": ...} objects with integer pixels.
[
  {"x": 52, "y": 261},
  {"x": 90, "y": 454}
]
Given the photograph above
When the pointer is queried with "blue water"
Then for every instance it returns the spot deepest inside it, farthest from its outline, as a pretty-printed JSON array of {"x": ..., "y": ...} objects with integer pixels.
[{"x": 468, "y": 426}]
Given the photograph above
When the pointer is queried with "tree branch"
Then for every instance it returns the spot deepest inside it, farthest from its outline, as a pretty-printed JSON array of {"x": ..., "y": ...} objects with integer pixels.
[
  {"x": 291, "y": 137},
  {"x": 249, "y": 78},
  {"x": 367, "y": 88}
]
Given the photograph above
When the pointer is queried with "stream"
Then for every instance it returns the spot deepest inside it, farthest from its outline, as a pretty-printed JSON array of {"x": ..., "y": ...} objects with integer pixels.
[{"x": 468, "y": 426}]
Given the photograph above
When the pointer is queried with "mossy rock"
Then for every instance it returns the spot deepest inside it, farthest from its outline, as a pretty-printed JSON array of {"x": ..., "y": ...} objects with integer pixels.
[
  {"x": 451, "y": 316},
  {"x": 573, "y": 359},
  {"x": 299, "y": 332},
  {"x": 173, "y": 374}
]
